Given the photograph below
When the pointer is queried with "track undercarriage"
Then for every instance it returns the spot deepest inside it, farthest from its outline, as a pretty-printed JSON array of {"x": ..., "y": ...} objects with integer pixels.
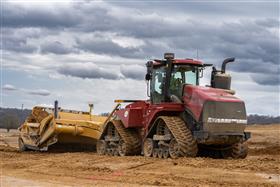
[
  {"x": 119, "y": 141},
  {"x": 170, "y": 138}
]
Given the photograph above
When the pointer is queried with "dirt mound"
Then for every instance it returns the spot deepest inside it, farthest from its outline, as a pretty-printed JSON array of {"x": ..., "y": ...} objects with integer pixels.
[
  {"x": 260, "y": 168},
  {"x": 267, "y": 150},
  {"x": 6, "y": 148}
]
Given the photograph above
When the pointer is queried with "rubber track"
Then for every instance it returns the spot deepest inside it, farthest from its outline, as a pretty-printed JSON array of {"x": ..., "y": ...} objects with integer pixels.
[
  {"x": 130, "y": 137},
  {"x": 182, "y": 135}
]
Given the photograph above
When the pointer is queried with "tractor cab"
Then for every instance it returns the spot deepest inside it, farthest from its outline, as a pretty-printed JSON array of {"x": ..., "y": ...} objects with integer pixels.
[{"x": 167, "y": 77}]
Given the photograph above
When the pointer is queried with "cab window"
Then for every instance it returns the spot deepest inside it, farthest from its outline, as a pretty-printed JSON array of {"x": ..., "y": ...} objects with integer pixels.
[
  {"x": 182, "y": 74},
  {"x": 157, "y": 85}
]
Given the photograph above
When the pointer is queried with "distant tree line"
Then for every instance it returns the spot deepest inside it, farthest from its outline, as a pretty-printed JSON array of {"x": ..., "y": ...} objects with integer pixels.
[
  {"x": 12, "y": 118},
  {"x": 105, "y": 114},
  {"x": 262, "y": 119}
]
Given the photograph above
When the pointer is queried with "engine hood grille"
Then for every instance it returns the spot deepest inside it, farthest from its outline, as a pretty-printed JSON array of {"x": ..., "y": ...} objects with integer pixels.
[{"x": 224, "y": 116}]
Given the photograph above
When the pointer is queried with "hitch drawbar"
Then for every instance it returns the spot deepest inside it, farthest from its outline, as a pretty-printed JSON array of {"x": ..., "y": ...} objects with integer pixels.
[{"x": 126, "y": 101}]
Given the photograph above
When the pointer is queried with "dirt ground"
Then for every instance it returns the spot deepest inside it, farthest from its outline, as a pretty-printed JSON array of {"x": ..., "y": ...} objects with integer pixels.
[{"x": 260, "y": 168}]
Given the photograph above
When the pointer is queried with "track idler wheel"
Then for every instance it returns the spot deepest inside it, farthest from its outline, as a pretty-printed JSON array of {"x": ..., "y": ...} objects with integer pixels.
[
  {"x": 174, "y": 149},
  {"x": 155, "y": 153},
  {"x": 165, "y": 153},
  {"x": 239, "y": 150},
  {"x": 116, "y": 152},
  {"x": 148, "y": 147},
  {"x": 160, "y": 153},
  {"x": 101, "y": 147}
]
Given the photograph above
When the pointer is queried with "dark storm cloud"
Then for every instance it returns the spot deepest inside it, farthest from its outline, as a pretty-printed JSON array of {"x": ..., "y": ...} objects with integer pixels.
[
  {"x": 21, "y": 16},
  {"x": 253, "y": 42},
  {"x": 39, "y": 92},
  {"x": 207, "y": 8},
  {"x": 268, "y": 22},
  {"x": 16, "y": 42},
  {"x": 18, "y": 45},
  {"x": 254, "y": 66},
  {"x": 92, "y": 71},
  {"x": 87, "y": 70},
  {"x": 56, "y": 48},
  {"x": 249, "y": 40},
  {"x": 266, "y": 79},
  {"x": 136, "y": 72},
  {"x": 255, "y": 47},
  {"x": 103, "y": 45}
]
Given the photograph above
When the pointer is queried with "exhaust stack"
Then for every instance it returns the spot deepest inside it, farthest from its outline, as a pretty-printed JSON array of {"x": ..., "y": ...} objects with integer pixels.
[
  {"x": 220, "y": 79},
  {"x": 227, "y": 60}
]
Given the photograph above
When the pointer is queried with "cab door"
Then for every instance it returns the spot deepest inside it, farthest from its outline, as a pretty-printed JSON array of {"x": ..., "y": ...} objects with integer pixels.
[{"x": 157, "y": 85}]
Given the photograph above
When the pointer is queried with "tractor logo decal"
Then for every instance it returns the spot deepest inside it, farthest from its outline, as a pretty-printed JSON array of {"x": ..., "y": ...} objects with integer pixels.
[{"x": 222, "y": 120}]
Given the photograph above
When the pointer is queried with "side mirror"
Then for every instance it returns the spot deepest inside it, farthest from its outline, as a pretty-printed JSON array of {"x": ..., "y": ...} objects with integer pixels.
[
  {"x": 149, "y": 66},
  {"x": 148, "y": 77}
]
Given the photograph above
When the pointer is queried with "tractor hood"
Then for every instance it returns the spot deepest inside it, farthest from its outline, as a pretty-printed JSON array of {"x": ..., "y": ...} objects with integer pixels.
[{"x": 195, "y": 97}]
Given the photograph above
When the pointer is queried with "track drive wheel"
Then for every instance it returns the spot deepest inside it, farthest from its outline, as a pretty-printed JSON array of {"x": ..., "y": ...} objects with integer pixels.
[
  {"x": 239, "y": 150},
  {"x": 21, "y": 145}
]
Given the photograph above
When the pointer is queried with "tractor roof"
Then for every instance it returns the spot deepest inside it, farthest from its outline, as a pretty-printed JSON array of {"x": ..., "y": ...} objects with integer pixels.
[{"x": 157, "y": 62}]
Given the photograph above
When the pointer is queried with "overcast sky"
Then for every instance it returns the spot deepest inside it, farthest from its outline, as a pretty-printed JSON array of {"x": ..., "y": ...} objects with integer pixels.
[{"x": 81, "y": 52}]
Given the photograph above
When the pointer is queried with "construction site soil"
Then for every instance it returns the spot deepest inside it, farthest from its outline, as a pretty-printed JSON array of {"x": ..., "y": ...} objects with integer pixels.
[{"x": 260, "y": 168}]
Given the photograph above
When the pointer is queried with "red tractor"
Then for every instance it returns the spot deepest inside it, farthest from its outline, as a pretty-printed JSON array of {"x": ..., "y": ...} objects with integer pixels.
[{"x": 181, "y": 118}]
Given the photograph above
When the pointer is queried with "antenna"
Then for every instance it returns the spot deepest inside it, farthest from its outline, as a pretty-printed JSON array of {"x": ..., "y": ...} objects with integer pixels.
[{"x": 197, "y": 54}]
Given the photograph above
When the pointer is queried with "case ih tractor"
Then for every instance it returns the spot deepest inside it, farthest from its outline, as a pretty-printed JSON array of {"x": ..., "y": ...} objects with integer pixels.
[{"x": 181, "y": 118}]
